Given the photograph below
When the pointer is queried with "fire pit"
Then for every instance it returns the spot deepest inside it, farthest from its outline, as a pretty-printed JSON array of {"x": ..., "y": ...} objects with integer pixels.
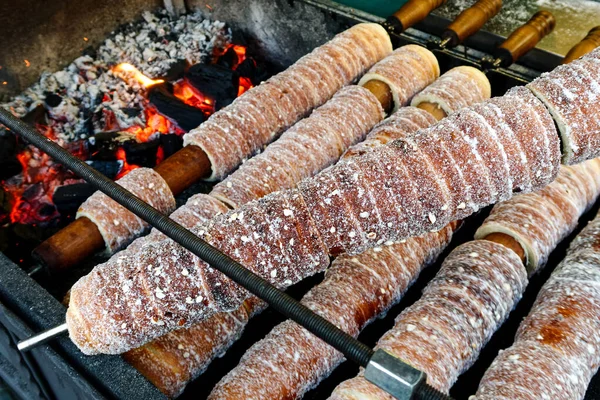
[{"x": 112, "y": 114}]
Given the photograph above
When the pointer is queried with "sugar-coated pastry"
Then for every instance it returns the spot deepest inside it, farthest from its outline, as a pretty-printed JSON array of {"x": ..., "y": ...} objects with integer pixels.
[
  {"x": 309, "y": 146},
  {"x": 458, "y": 88},
  {"x": 557, "y": 347},
  {"x": 406, "y": 71},
  {"x": 538, "y": 221},
  {"x": 441, "y": 334},
  {"x": 254, "y": 119},
  {"x": 356, "y": 289},
  {"x": 117, "y": 225},
  {"x": 572, "y": 94}
]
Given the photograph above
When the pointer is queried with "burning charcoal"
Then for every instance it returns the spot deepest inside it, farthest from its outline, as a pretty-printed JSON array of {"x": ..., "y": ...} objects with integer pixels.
[
  {"x": 229, "y": 59},
  {"x": 186, "y": 116},
  {"x": 252, "y": 70},
  {"x": 215, "y": 81},
  {"x": 108, "y": 168},
  {"x": 103, "y": 145},
  {"x": 176, "y": 71},
  {"x": 142, "y": 154},
  {"x": 53, "y": 100},
  {"x": 171, "y": 144},
  {"x": 131, "y": 111},
  {"x": 9, "y": 165},
  {"x": 69, "y": 197}
]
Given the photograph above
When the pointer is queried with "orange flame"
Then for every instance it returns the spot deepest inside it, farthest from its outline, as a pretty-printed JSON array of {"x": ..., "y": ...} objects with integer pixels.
[
  {"x": 129, "y": 70},
  {"x": 155, "y": 123},
  {"x": 127, "y": 168},
  {"x": 193, "y": 97}
]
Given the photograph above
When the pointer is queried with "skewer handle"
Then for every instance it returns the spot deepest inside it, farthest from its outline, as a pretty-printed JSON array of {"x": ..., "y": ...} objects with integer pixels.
[
  {"x": 587, "y": 44},
  {"x": 525, "y": 38},
  {"x": 410, "y": 14},
  {"x": 470, "y": 21}
]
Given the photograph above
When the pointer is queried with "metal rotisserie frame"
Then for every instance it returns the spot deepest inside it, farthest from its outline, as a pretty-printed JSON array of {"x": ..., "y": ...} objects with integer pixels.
[{"x": 280, "y": 31}]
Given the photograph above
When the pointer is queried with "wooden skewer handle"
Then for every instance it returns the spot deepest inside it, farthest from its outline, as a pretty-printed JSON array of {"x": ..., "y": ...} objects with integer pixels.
[
  {"x": 471, "y": 20},
  {"x": 589, "y": 43},
  {"x": 76, "y": 242},
  {"x": 411, "y": 13},
  {"x": 526, "y": 37}
]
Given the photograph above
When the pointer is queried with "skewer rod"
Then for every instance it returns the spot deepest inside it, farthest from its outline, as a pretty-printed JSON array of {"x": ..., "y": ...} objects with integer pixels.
[{"x": 42, "y": 337}]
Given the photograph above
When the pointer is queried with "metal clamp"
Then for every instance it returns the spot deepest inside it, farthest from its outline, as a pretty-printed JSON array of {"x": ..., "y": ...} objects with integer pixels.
[{"x": 394, "y": 375}]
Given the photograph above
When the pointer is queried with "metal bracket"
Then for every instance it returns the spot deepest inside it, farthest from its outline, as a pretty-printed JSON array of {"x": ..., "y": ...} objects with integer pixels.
[{"x": 394, "y": 375}]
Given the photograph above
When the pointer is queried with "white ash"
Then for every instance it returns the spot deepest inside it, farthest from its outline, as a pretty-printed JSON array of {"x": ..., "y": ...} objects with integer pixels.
[{"x": 89, "y": 90}]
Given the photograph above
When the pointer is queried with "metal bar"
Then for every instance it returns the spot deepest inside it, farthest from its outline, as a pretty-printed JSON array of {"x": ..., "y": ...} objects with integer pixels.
[
  {"x": 280, "y": 301},
  {"x": 42, "y": 337}
]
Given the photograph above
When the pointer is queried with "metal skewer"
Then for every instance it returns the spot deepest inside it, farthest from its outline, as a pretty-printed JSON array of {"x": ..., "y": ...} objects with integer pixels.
[
  {"x": 42, "y": 337},
  {"x": 444, "y": 42},
  {"x": 34, "y": 270}
]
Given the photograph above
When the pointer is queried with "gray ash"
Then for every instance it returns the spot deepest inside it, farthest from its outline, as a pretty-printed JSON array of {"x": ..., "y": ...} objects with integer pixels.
[{"x": 86, "y": 97}]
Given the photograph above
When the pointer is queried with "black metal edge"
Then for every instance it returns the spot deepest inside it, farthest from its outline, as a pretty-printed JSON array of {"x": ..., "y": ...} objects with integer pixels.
[
  {"x": 13, "y": 370},
  {"x": 35, "y": 310}
]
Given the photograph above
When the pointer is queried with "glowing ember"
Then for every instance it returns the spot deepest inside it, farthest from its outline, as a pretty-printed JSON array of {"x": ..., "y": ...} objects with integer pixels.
[
  {"x": 155, "y": 124},
  {"x": 193, "y": 97},
  {"x": 31, "y": 191},
  {"x": 126, "y": 168},
  {"x": 245, "y": 84}
]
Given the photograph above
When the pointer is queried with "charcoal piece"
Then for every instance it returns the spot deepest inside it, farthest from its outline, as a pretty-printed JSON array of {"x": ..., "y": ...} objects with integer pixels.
[
  {"x": 90, "y": 51},
  {"x": 215, "y": 81},
  {"x": 229, "y": 59},
  {"x": 171, "y": 36},
  {"x": 32, "y": 192},
  {"x": 253, "y": 70},
  {"x": 88, "y": 124},
  {"x": 185, "y": 116},
  {"x": 142, "y": 154},
  {"x": 131, "y": 111},
  {"x": 53, "y": 100},
  {"x": 171, "y": 144},
  {"x": 239, "y": 37},
  {"x": 9, "y": 165},
  {"x": 46, "y": 210},
  {"x": 109, "y": 168},
  {"x": 176, "y": 71},
  {"x": 68, "y": 198},
  {"x": 103, "y": 146}
]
